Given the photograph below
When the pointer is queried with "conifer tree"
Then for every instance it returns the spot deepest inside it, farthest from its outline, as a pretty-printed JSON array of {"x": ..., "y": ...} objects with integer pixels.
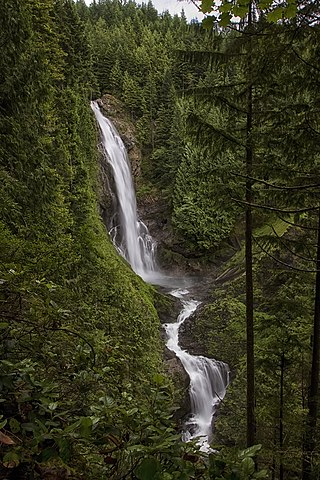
[
  {"x": 235, "y": 94},
  {"x": 116, "y": 78},
  {"x": 131, "y": 96}
]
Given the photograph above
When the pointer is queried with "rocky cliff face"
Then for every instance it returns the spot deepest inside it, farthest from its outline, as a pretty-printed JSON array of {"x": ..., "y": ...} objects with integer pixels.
[
  {"x": 115, "y": 110},
  {"x": 153, "y": 207}
]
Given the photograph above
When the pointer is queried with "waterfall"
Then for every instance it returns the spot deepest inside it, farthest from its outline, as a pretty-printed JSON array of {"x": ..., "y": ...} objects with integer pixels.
[
  {"x": 130, "y": 236},
  {"x": 208, "y": 377}
]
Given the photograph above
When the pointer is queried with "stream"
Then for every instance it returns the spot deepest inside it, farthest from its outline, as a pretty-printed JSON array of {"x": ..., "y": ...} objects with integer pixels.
[{"x": 209, "y": 378}]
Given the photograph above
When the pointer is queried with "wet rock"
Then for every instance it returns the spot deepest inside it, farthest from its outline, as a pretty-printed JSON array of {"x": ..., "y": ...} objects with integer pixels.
[
  {"x": 168, "y": 307},
  {"x": 187, "y": 340},
  {"x": 105, "y": 195},
  {"x": 181, "y": 382},
  {"x": 116, "y": 112},
  {"x": 153, "y": 208}
]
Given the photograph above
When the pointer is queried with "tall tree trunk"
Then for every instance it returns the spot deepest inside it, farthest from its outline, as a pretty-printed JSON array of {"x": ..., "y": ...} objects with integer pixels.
[
  {"x": 309, "y": 443},
  {"x": 248, "y": 252},
  {"x": 281, "y": 471},
  {"x": 275, "y": 445}
]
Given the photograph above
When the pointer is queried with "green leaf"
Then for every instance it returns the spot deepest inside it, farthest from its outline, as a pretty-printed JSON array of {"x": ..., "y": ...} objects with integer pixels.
[
  {"x": 247, "y": 466},
  {"x": 147, "y": 469},
  {"x": 208, "y": 22},
  {"x": 132, "y": 411},
  {"x": 206, "y": 6},
  {"x": 225, "y": 7},
  {"x": 275, "y": 15},
  {"x": 95, "y": 420},
  {"x": 290, "y": 11},
  {"x": 137, "y": 448},
  {"x": 85, "y": 426},
  {"x": 265, "y": 4},
  {"x": 4, "y": 325},
  {"x": 72, "y": 427},
  {"x": 10, "y": 460},
  {"x": 240, "y": 11},
  {"x": 107, "y": 401},
  {"x": 14, "y": 425},
  {"x": 159, "y": 379},
  {"x": 224, "y": 19},
  {"x": 250, "y": 451},
  {"x": 261, "y": 474},
  {"x": 167, "y": 476},
  {"x": 3, "y": 423}
]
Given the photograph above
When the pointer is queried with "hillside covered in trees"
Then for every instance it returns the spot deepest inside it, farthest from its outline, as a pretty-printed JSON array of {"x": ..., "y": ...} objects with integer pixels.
[{"x": 227, "y": 120}]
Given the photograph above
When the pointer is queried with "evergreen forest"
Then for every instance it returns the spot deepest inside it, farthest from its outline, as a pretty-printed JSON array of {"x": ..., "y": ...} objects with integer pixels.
[{"x": 225, "y": 114}]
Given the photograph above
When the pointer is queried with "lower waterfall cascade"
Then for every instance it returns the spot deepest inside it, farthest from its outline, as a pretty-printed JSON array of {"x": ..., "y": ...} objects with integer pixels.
[{"x": 209, "y": 378}]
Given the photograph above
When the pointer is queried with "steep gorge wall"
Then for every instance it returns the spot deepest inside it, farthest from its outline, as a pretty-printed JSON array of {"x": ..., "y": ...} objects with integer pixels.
[
  {"x": 116, "y": 112},
  {"x": 153, "y": 206}
]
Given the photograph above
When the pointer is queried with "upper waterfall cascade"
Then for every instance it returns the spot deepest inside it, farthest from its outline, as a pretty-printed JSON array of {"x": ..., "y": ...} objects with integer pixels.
[
  {"x": 130, "y": 235},
  {"x": 208, "y": 378}
]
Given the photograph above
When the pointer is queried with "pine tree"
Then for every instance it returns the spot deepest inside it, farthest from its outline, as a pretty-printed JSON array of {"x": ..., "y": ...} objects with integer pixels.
[
  {"x": 131, "y": 96},
  {"x": 116, "y": 78}
]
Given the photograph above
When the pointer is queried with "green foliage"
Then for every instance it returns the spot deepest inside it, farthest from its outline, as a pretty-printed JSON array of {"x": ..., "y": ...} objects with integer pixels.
[
  {"x": 229, "y": 465},
  {"x": 221, "y": 324},
  {"x": 135, "y": 59},
  {"x": 170, "y": 140},
  {"x": 200, "y": 211},
  {"x": 132, "y": 95},
  {"x": 285, "y": 155},
  {"x": 282, "y": 330},
  {"x": 80, "y": 334},
  {"x": 226, "y": 12},
  {"x": 82, "y": 391}
]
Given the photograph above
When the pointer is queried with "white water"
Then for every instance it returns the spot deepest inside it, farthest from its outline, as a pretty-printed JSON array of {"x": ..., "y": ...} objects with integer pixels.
[
  {"x": 131, "y": 236},
  {"x": 208, "y": 378}
]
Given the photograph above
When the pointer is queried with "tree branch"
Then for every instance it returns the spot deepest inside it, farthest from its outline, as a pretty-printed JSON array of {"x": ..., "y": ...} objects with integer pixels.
[
  {"x": 273, "y": 209},
  {"x": 216, "y": 130},
  {"x": 291, "y": 267},
  {"x": 289, "y": 249},
  {"x": 277, "y": 187},
  {"x": 303, "y": 60},
  {"x": 296, "y": 225}
]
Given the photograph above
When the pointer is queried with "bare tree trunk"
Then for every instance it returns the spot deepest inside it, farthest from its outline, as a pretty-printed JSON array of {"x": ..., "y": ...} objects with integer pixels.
[
  {"x": 281, "y": 417},
  {"x": 309, "y": 443},
  {"x": 248, "y": 254}
]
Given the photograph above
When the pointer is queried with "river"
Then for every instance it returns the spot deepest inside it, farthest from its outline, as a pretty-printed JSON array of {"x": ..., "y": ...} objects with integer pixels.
[{"x": 208, "y": 377}]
